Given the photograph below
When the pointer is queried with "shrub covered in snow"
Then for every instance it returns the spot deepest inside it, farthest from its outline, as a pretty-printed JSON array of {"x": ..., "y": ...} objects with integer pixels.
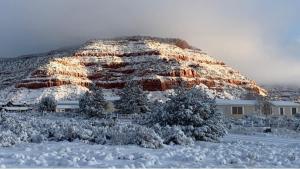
[
  {"x": 7, "y": 138},
  {"x": 193, "y": 111},
  {"x": 133, "y": 100},
  {"x": 173, "y": 135},
  {"x": 47, "y": 104},
  {"x": 92, "y": 102},
  {"x": 18, "y": 128},
  {"x": 133, "y": 134}
]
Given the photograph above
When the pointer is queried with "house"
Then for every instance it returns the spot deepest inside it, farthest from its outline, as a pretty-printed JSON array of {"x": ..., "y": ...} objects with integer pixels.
[
  {"x": 284, "y": 108},
  {"x": 237, "y": 108},
  {"x": 15, "y": 107},
  {"x": 67, "y": 106}
]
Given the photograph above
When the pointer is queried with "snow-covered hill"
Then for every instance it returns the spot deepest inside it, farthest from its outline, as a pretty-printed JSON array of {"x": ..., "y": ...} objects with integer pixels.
[
  {"x": 288, "y": 93},
  {"x": 158, "y": 64}
]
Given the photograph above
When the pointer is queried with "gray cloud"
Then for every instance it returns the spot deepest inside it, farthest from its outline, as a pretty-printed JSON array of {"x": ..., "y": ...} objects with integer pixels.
[{"x": 248, "y": 35}]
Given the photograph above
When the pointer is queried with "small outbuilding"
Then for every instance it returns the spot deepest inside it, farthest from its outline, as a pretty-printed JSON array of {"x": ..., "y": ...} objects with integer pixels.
[
  {"x": 67, "y": 106},
  {"x": 15, "y": 107}
]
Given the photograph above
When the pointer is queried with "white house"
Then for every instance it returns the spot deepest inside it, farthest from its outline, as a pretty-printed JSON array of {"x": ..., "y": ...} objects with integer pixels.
[
  {"x": 284, "y": 108},
  {"x": 239, "y": 108},
  {"x": 236, "y": 108},
  {"x": 67, "y": 106}
]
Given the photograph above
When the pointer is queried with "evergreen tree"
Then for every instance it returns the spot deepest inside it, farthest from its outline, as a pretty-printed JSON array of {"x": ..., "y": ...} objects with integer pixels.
[
  {"x": 194, "y": 111},
  {"x": 263, "y": 105},
  {"x": 92, "y": 102},
  {"x": 47, "y": 103},
  {"x": 133, "y": 100}
]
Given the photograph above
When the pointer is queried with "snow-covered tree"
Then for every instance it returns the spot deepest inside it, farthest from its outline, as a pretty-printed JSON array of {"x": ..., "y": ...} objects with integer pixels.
[
  {"x": 48, "y": 104},
  {"x": 194, "y": 111},
  {"x": 92, "y": 102},
  {"x": 263, "y": 105},
  {"x": 133, "y": 100}
]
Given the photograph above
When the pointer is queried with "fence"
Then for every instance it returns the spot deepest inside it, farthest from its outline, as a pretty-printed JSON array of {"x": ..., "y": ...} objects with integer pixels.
[{"x": 275, "y": 122}]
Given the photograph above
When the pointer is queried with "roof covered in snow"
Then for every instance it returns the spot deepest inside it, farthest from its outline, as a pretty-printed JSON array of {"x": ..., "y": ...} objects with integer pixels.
[
  {"x": 235, "y": 102},
  {"x": 284, "y": 103},
  {"x": 69, "y": 102},
  {"x": 67, "y": 107},
  {"x": 111, "y": 98}
]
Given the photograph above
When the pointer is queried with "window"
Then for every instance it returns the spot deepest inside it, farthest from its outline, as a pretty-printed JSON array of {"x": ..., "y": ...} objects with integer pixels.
[
  {"x": 237, "y": 110},
  {"x": 294, "y": 111},
  {"x": 281, "y": 111}
]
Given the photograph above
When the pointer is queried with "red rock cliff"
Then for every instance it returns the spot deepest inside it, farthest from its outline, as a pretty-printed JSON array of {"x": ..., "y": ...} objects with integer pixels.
[{"x": 158, "y": 65}]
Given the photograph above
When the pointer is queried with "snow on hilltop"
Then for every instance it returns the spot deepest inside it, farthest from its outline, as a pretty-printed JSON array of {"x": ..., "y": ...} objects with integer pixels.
[{"x": 158, "y": 64}]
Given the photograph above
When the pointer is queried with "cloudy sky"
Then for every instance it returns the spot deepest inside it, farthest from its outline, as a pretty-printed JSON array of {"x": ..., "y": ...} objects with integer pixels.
[{"x": 259, "y": 38}]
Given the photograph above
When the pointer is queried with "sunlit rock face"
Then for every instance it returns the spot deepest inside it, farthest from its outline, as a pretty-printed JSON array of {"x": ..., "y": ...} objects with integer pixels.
[{"x": 158, "y": 64}]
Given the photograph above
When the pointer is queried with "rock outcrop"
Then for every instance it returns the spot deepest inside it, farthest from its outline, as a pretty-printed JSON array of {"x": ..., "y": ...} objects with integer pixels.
[{"x": 158, "y": 64}]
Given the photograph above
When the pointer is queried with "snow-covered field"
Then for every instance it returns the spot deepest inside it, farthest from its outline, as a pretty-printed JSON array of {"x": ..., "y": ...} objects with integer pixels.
[{"x": 234, "y": 151}]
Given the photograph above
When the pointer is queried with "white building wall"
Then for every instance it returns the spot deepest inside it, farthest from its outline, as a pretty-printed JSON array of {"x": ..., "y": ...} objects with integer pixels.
[{"x": 227, "y": 110}]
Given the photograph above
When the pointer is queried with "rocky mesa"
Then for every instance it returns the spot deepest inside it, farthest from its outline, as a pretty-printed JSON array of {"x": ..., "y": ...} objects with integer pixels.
[{"x": 159, "y": 64}]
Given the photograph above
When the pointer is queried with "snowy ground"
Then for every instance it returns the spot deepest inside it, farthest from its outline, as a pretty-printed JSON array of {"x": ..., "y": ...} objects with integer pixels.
[{"x": 234, "y": 151}]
